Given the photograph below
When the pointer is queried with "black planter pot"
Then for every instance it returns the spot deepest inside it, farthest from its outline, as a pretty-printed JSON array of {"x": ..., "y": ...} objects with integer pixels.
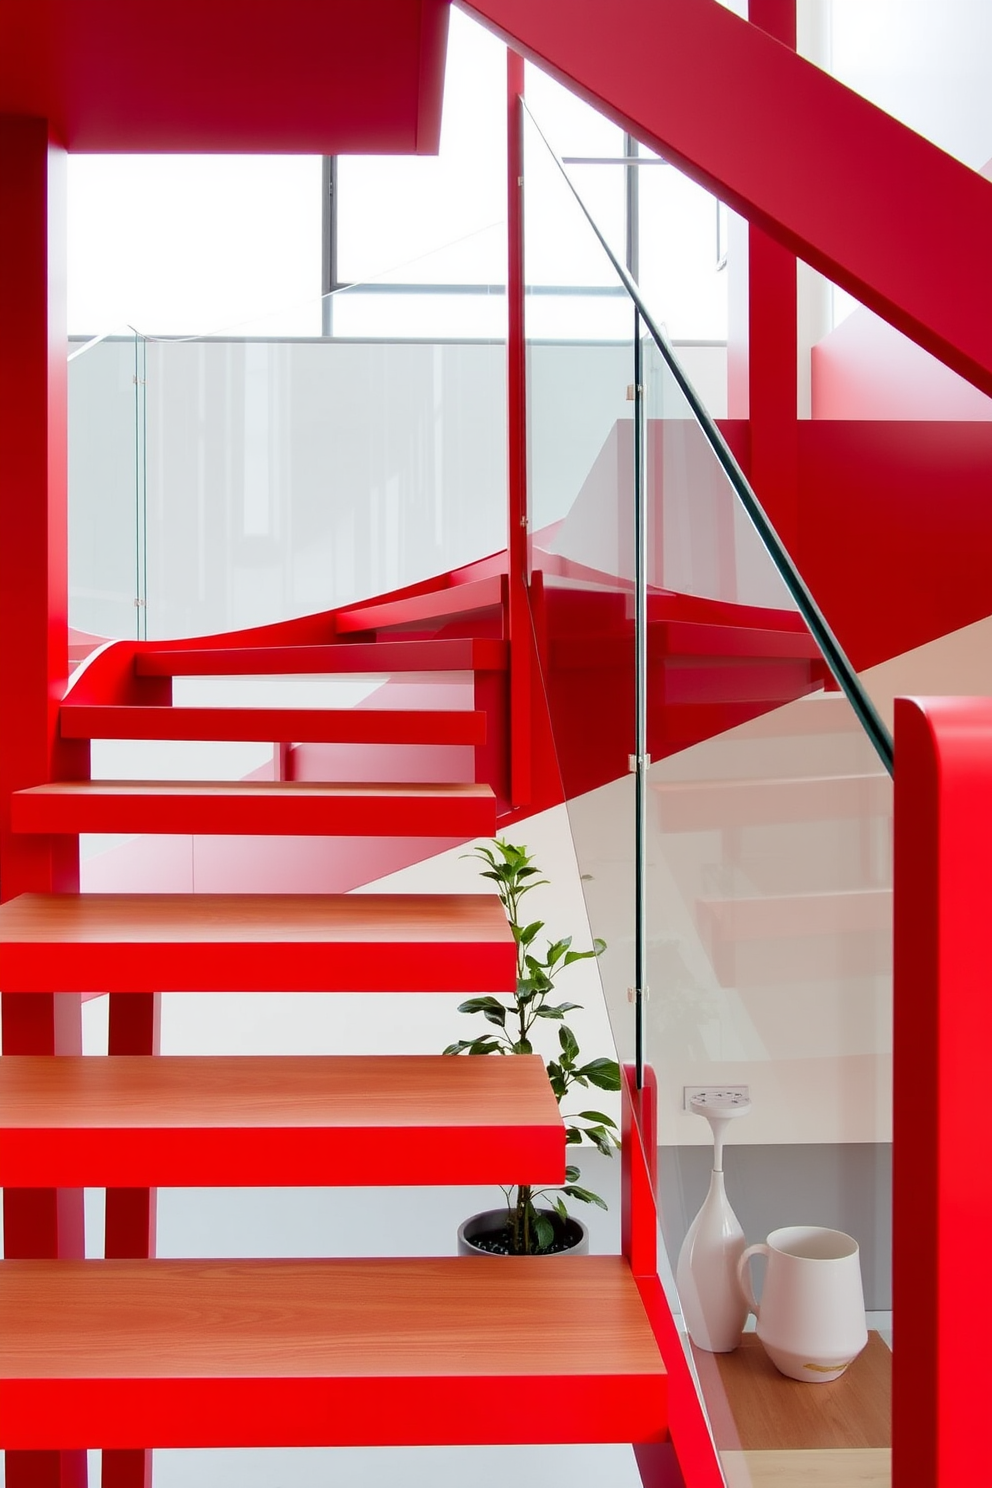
[{"x": 491, "y": 1223}]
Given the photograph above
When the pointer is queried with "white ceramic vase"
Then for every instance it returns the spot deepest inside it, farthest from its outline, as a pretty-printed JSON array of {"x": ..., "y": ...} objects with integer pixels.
[{"x": 706, "y": 1276}]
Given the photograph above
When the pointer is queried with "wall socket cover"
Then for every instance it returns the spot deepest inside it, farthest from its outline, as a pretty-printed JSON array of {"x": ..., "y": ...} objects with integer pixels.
[{"x": 718, "y": 1094}]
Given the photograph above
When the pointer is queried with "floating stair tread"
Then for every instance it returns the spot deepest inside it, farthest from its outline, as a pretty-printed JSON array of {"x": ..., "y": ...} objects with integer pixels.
[
  {"x": 704, "y": 805},
  {"x": 783, "y": 915},
  {"x": 256, "y": 942},
  {"x": 375, "y": 658},
  {"x": 134, "y": 1122},
  {"x": 454, "y": 599},
  {"x": 296, "y": 725},
  {"x": 180, "y": 1353},
  {"x": 257, "y": 807}
]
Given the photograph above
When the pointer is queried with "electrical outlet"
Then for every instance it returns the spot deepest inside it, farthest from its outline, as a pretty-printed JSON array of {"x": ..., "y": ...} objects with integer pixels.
[{"x": 690, "y": 1092}]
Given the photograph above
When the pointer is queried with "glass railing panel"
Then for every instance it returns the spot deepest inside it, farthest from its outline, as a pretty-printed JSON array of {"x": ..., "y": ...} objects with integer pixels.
[
  {"x": 106, "y": 451},
  {"x": 580, "y": 370},
  {"x": 766, "y": 853},
  {"x": 260, "y": 478}
]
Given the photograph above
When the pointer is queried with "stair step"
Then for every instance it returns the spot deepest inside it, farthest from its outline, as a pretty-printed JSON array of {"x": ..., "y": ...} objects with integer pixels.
[
  {"x": 705, "y": 805},
  {"x": 280, "y": 725},
  {"x": 135, "y": 1122},
  {"x": 293, "y": 808},
  {"x": 374, "y": 658},
  {"x": 192, "y": 1353},
  {"x": 256, "y": 943},
  {"x": 456, "y": 599},
  {"x": 795, "y": 938}
]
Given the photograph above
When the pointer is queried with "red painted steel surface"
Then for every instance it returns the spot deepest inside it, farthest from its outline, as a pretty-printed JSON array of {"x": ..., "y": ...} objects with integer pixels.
[
  {"x": 34, "y": 654},
  {"x": 256, "y": 808},
  {"x": 300, "y": 725},
  {"x": 692, "y": 1459},
  {"x": 827, "y": 174},
  {"x": 454, "y": 599},
  {"x": 178, "y": 942},
  {"x": 942, "y": 1200},
  {"x": 229, "y": 76},
  {"x": 518, "y": 616},
  {"x": 378, "y": 658}
]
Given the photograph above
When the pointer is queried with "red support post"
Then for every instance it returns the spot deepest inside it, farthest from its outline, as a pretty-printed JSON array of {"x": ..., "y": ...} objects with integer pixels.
[
  {"x": 942, "y": 1191},
  {"x": 763, "y": 350},
  {"x": 34, "y": 653},
  {"x": 518, "y": 609},
  {"x": 688, "y": 1459}
]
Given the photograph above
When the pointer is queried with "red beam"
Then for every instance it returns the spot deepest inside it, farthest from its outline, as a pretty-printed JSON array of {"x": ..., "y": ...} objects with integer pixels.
[
  {"x": 877, "y": 208},
  {"x": 518, "y": 538},
  {"x": 942, "y": 1200},
  {"x": 34, "y": 645}
]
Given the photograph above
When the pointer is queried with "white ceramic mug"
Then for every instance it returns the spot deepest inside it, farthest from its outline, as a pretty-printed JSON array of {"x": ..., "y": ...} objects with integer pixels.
[{"x": 812, "y": 1314}]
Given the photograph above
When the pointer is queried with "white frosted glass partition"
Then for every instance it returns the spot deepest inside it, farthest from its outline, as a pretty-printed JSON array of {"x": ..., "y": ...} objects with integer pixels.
[
  {"x": 279, "y": 477},
  {"x": 103, "y": 451}
]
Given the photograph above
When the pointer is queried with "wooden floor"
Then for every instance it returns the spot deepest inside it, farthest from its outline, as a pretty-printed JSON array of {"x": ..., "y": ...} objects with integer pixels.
[
  {"x": 281, "y": 1352},
  {"x": 133, "y": 1122}
]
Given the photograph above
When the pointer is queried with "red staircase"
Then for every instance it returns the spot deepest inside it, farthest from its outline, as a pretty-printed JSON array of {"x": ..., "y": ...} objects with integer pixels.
[{"x": 132, "y": 1352}]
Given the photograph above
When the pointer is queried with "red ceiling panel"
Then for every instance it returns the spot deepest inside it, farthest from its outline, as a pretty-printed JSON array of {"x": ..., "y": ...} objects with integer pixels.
[{"x": 307, "y": 76}]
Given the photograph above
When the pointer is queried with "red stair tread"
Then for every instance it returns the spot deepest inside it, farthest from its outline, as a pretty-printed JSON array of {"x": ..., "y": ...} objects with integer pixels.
[
  {"x": 364, "y": 658},
  {"x": 257, "y": 808},
  {"x": 256, "y": 942},
  {"x": 454, "y": 599},
  {"x": 296, "y": 725},
  {"x": 134, "y": 1122},
  {"x": 173, "y": 1353}
]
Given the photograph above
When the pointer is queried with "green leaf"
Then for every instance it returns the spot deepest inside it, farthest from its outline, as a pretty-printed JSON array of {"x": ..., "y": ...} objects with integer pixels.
[
  {"x": 571, "y": 1174},
  {"x": 495, "y": 1015},
  {"x": 559, "y": 1204},
  {"x": 544, "y": 1230},
  {"x": 483, "y": 1046},
  {"x": 566, "y": 1007},
  {"x": 527, "y": 934},
  {"x": 603, "y": 1073},
  {"x": 572, "y": 1136},
  {"x": 574, "y": 1192},
  {"x": 597, "y": 1116},
  {"x": 480, "y": 1004},
  {"x": 557, "y": 950},
  {"x": 569, "y": 1044},
  {"x": 523, "y": 1046},
  {"x": 548, "y": 1012}
]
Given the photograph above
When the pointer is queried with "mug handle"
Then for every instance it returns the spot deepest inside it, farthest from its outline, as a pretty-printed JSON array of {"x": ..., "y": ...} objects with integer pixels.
[{"x": 744, "y": 1276}]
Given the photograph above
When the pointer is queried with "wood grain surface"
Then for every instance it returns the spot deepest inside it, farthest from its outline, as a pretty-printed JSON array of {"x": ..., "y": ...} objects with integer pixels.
[
  {"x": 753, "y": 1407},
  {"x": 132, "y": 1122},
  {"x": 857, "y": 1467},
  {"x": 256, "y": 942},
  {"x": 125, "y": 1354}
]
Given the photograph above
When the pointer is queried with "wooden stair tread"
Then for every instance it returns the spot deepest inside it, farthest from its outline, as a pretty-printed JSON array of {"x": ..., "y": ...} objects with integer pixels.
[
  {"x": 257, "y": 808},
  {"x": 256, "y": 942},
  {"x": 296, "y": 725},
  {"x": 297, "y": 1352},
  {"x": 364, "y": 658},
  {"x": 132, "y": 1122}
]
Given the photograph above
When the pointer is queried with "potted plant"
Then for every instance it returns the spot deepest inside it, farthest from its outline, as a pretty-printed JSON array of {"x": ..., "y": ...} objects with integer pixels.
[{"x": 521, "y": 1227}]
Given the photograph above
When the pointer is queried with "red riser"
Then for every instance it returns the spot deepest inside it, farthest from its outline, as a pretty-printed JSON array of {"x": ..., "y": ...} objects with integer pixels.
[
  {"x": 381, "y": 1410},
  {"x": 295, "y": 725},
  {"x": 256, "y": 808},
  {"x": 369, "y": 659},
  {"x": 301, "y": 1157}
]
